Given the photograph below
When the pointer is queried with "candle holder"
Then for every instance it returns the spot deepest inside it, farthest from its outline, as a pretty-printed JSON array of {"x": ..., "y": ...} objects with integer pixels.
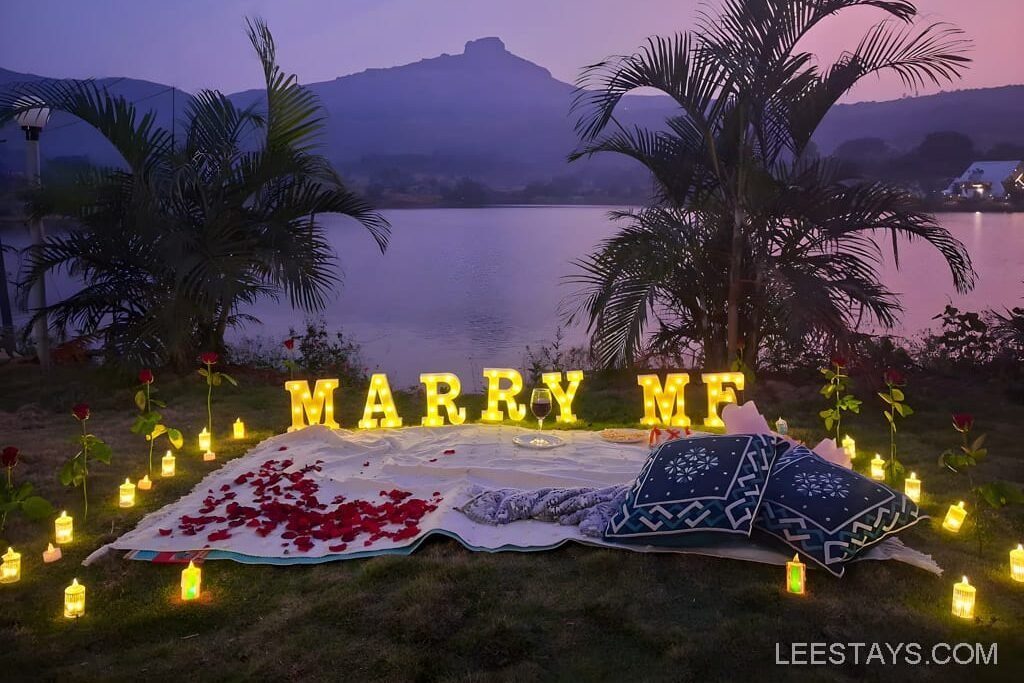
[
  {"x": 145, "y": 483},
  {"x": 204, "y": 441},
  {"x": 238, "y": 429}
]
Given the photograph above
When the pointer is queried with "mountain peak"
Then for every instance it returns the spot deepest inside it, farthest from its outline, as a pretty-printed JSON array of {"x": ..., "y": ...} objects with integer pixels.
[{"x": 490, "y": 45}]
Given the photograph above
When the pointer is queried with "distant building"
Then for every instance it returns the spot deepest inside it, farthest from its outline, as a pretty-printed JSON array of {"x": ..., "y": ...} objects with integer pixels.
[{"x": 988, "y": 180}]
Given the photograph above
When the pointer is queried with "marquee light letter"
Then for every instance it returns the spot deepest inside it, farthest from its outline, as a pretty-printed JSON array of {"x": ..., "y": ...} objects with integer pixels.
[
  {"x": 717, "y": 394},
  {"x": 446, "y": 399},
  {"x": 496, "y": 394},
  {"x": 312, "y": 408},
  {"x": 668, "y": 401},
  {"x": 379, "y": 400},
  {"x": 553, "y": 381}
]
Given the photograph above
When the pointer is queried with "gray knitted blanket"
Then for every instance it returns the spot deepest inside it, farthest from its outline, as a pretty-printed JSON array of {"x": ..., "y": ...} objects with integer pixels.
[{"x": 587, "y": 508}]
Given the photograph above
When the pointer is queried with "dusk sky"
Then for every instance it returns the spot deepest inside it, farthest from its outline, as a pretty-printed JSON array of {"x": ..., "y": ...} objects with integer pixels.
[{"x": 199, "y": 43}]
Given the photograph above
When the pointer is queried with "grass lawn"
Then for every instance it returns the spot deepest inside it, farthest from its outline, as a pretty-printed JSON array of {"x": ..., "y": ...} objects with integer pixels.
[{"x": 447, "y": 614}]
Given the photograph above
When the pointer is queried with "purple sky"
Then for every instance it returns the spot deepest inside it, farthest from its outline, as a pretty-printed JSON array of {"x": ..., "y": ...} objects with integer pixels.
[{"x": 201, "y": 43}]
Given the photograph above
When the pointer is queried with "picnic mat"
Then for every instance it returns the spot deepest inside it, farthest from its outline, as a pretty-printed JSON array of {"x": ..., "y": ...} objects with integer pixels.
[{"x": 318, "y": 495}]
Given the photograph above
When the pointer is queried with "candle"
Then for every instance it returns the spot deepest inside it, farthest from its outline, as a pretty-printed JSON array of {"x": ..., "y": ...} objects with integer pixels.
[
  {"x": 51, "y": 554},
  {"x": 795, "y": 576},
  {"x": 963, "y": 600},
  {"x": 10, "y": 570},
  {"x": 167, "y": 465},
  {"x": 126, "y": 494},
  {"x": 191, "y": 581},
  {"x": 238, "y": 429},
  {"x": 74, "y": 600},
  {"x": 145, "y": 484},
  {"x": 912, "y": 487},
  {"x": 63, "y": 529},
  {"x": 850, "y": 446},
  {"x": 208, "y": 456},
  {"x": 954, "y": 517},
  {"x": 204, "y": 440},
  {"x": 1017, "y": 563},
  {"x": 877, "y": 468},
  {"x": 781, "y": 426}
]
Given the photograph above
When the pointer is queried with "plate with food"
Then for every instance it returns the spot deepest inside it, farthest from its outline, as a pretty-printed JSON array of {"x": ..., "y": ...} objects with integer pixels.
[{"x": 621, "y": 435}]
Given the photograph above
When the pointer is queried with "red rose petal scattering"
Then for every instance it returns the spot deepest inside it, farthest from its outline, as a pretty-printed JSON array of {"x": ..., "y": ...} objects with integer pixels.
[
  {"x": 287, "y": 506},
  {"x": 449, "y": 451}
]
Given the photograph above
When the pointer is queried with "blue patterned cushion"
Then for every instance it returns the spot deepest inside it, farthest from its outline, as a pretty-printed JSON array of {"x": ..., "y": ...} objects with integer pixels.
[
  {"x": 691, "y": 491},
  {"x": 827, "y": 512}
]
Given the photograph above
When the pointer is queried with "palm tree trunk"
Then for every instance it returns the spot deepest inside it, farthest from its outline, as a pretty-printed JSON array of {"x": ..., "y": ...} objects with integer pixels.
[
  {"x": 221, "y": 328},
  {"x": 735, "y": 284}
]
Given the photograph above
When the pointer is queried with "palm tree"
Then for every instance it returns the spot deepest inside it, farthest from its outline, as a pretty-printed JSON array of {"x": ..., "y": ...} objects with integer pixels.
[
  {"x": 731, "y": 166},
  {"x": 195, "y": 225}
]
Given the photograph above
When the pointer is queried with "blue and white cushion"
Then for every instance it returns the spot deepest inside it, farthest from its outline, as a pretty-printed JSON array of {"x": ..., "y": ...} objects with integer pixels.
[
  {"x": 693, "y": 491},
  {"x": 827, "y": 512}
]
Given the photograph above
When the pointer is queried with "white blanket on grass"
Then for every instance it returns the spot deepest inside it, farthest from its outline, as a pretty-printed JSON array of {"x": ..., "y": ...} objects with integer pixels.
[{"x": 360, "y": 465}]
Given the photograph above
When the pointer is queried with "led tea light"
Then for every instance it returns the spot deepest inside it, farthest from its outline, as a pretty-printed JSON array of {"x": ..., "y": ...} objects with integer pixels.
[
  {"x": 1017, "y": 563},
  {"x": 877, "y": 468},
  {"x": 74, "y": 600},
  {"x": 10, "y": 570},
  {"x": 204, "y": 441},
  {"x": 167, "y": 465},
  {"x": 51, "y": 554},
  {"x": 912, "y": 487},
  {"x": 238, "y": 429},
  {"x": 191, "y": 581},
  {"x": 145, "y": 483},
  {"x": 796, "y": 575},
  {"x": 126, "y": 494},
  {"x": 850, "y": 446},
  {"x": 63, "y": 529},
  {"x": 963, "y": 599},
  {"x": 955, "y": 517}
]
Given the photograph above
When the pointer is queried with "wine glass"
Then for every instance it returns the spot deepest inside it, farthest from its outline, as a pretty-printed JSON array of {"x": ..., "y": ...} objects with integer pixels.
[{"x": 540, "y": 405}]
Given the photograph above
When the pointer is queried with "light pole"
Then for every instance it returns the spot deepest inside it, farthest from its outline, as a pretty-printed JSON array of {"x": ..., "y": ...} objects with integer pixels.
[{"x": 32, "y": 122}]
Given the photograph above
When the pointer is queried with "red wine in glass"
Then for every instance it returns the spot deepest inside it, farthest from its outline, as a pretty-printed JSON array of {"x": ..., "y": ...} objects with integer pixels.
[{"x": 540, "y": 405}]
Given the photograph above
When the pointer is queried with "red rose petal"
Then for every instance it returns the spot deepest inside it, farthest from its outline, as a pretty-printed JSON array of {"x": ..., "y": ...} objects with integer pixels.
[{"x": 164, "y": 532}]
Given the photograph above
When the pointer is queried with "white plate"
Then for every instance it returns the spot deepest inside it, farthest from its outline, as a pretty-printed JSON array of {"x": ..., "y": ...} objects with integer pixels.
[{"x": 538, "y": 441}]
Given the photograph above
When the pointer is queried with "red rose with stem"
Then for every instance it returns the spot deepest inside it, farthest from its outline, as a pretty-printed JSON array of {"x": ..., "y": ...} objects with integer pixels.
[
  {"x": 839, "y": 361},
  {"x": 76, "y": 469},
  {"x": 895, "y": 408},
  {"x": 963, "y": 422},
  {"x": 9, "y": 458},
  {"x": 289, "y": 343},
  {"x": 81, "y": 413},
  {"x": 148, "y": 422},
  {"x": 289, "y": 362},
  {"x": 209, "y": 358}
]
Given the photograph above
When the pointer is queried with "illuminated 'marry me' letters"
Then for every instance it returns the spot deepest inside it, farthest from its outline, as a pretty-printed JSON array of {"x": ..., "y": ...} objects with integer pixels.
[
  {"x": 312, "y": 408},
  {"x": 564, "y": 398},
  {"x": 437, "y": 399},
  {"x": 668, "y": 401},
  {"x": 380, "y": 400},
  {"x": 496, "y": 394}
]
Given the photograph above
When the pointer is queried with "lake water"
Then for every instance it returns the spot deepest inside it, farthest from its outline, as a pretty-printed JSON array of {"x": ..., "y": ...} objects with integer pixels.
[{"x": 463, "y": 289}]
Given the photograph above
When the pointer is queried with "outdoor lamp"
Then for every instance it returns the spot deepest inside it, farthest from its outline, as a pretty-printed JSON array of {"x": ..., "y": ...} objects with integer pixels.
[{"x": 32, "y": 120}]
